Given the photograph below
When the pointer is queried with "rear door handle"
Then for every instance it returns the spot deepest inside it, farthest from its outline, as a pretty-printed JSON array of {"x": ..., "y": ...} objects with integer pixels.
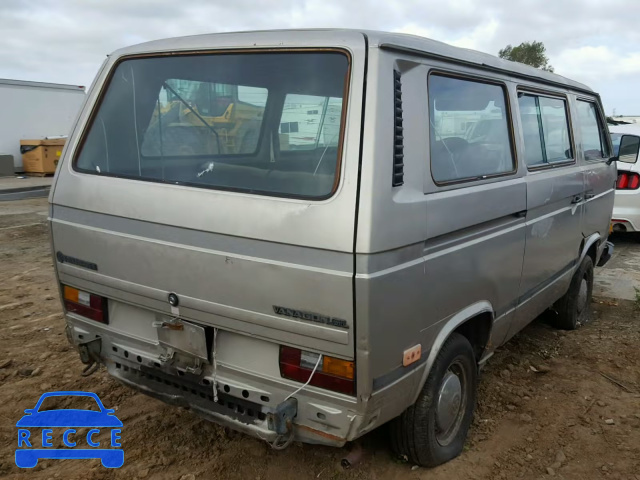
[
  {"x": 576, "y": 199},
  {"x": 521, "y": 214},
  {"x": 589, "y": 196}
]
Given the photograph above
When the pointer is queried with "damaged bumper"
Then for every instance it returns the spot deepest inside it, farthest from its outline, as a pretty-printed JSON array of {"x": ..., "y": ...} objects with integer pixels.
[{"x": 260, "y": 409}]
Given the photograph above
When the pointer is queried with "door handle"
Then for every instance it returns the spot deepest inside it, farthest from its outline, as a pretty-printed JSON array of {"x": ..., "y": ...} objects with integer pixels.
[
  {"x": 576, "y": 199},
  {"x": 589, "y": 196},
  {"x": 520, "y": 214}
]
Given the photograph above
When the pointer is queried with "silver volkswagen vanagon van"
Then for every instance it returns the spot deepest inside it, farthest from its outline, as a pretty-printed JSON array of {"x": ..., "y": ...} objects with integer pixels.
[{"x": 304, "y": 235}]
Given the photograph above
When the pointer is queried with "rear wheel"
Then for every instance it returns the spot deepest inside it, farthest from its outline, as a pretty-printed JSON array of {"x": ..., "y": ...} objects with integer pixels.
[
  {"x": 572, "y": 310},
  {"x": 433, "y": 430}
]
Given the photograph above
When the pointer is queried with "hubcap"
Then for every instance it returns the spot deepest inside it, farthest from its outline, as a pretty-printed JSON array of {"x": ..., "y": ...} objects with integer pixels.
[
  {"x": 449, "y": 402},
  {"x": 582, "y": 295}
]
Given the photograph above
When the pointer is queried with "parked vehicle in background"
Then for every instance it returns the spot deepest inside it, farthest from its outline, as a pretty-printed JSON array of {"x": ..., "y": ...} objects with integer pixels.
[
  {"x": 316, "y": 288},
  {"x": 626, "y": 210}
]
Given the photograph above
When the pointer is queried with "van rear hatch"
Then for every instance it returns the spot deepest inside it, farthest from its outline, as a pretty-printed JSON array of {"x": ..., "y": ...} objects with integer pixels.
[{"x": 225, "y": 177}]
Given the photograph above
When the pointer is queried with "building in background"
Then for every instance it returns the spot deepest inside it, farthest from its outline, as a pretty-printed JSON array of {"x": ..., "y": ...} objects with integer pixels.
[{"x": 32, "y": 110}]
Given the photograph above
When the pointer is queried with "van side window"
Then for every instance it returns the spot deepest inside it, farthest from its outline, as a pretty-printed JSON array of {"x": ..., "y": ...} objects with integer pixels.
[
  {"x": 469, "y": 131},
  {"x": 545, "y": 128},
  {"x": 594, "y": 143}
]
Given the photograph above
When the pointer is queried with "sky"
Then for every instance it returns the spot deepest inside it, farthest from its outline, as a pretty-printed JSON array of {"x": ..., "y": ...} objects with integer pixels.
[{"x": 596, "y": 42}]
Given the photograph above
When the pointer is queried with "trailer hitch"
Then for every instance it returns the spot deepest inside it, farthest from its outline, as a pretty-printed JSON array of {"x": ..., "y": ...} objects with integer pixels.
[
  {"x": 281, "y": 422},
  {"x": 90, "y": 356}
]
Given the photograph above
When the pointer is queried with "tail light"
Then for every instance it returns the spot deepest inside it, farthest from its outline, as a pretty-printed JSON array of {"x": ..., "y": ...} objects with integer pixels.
[
  {"x": 332, "y": 373},
  {"x": 86, "y": 304},
  {"x": 628, "y": 181}
]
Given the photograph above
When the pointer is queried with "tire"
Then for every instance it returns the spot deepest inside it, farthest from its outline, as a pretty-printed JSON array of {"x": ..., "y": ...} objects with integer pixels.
[
  {"x": 572, "y": 310},
  {"x": 417, "y": 432}
]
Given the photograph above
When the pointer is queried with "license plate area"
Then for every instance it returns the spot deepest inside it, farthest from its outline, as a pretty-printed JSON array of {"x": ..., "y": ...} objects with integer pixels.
[{"x": 183, "y": 336}]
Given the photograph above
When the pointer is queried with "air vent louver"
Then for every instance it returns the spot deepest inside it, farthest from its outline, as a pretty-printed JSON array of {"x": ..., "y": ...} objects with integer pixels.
[{"x": 398, "y": 135}]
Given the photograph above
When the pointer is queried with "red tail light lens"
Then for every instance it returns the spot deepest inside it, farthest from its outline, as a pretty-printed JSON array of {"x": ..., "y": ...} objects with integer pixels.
[
  {"x": 623, "y": 181},
  {"x": 332, "y": 374},
  {"x": 628, "y": 181},
  {"x": 86, "y": 304}
]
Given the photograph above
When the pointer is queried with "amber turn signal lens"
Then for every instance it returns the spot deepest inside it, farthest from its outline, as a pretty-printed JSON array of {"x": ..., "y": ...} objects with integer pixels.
[
  {"x": 335, "y": 366},
  {"x": 71, "y": 294},
  {"x": 85, "y": 304},
  {"x": 333, "y": 374}
]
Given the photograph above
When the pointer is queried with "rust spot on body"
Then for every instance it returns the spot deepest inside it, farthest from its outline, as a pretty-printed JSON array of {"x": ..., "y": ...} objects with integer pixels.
[{"x": 333, "y": 438}]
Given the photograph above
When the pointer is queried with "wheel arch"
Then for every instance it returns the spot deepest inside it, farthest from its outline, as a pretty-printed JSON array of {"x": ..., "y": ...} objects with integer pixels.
[
  {"x": 590, "y": 246},
  {"x": 477, "y": 317}
]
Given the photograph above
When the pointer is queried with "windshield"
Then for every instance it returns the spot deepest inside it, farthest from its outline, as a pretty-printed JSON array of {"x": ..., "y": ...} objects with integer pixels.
[{"x": 266, "y": 123}]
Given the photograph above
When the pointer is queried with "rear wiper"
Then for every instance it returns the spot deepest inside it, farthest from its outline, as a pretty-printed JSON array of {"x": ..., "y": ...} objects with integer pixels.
[{"x": 186, "y": 104}]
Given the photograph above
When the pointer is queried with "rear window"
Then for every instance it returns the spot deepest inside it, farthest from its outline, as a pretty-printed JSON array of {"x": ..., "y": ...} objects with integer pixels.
[{"x": 264, "y": 123}]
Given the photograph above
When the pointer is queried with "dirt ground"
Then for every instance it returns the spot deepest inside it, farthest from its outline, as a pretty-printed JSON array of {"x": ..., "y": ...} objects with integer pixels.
[{"x": 551, "y": 404}]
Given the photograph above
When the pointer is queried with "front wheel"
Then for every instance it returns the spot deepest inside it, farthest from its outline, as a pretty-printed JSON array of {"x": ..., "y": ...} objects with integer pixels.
[
  {"x": 573, "y": 308},
  {"x": 433, "y": 430}
]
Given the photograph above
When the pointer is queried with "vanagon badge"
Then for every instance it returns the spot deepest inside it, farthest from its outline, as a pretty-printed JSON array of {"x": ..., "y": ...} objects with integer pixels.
[
  {"x": 310, "y": 316},
  {"x": 62, "y": 258}
]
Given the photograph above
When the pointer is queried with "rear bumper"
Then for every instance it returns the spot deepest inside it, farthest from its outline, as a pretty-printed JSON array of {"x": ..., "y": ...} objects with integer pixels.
[
  {"x": 226, "y": 412},
  {"x": 244, "y": 403},
  {"x": 626, "y": 211}
]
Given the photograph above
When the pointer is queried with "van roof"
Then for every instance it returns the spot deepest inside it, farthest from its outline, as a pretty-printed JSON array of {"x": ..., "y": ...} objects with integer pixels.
[{"x": 401, "y": 42}]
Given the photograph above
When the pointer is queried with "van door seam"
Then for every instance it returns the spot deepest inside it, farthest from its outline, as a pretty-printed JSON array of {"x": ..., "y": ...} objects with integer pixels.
[{"x": 357, "y": 206}]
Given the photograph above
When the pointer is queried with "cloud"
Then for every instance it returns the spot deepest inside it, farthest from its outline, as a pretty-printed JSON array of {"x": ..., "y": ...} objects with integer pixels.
[
  {"x": 611, "y": 71},
  {"x": 597, "y": 63},
  {"x": 481, "y": 33},
  {"x": 65, "y": 41}
]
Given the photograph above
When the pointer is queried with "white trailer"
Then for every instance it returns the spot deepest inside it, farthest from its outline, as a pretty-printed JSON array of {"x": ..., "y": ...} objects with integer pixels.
[{"x": 31, "y": 110}]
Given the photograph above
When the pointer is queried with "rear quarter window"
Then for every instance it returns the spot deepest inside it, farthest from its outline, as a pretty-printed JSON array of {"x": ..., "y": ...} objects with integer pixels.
[{"x": 469, "y": 129}]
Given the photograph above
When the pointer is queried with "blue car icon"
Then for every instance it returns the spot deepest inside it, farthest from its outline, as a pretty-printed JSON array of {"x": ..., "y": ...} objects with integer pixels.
[{"x": 69, "y": 419}]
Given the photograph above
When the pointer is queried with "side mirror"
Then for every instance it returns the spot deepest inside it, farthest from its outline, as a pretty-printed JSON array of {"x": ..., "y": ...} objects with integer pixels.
[
  {"x": 629, "y": 149},
  {"x": 29, "y": 411},
  {"x": 109, "y": 411}
]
